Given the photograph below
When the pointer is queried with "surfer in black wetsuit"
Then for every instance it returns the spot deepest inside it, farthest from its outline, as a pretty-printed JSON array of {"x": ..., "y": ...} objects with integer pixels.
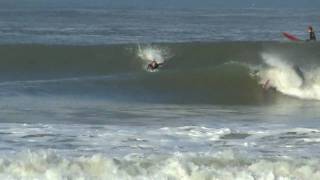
[
  {"x": 153, "y": 65},
  {"x": 312, "y": 34}
]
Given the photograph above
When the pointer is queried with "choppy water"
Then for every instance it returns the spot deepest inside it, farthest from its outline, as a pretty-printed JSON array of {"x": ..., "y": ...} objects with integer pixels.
[{"x": 77, "y": 101}]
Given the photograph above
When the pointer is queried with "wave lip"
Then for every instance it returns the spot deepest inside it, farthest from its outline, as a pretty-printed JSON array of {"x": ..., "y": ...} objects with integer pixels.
[{"x": 289, "y": 79}]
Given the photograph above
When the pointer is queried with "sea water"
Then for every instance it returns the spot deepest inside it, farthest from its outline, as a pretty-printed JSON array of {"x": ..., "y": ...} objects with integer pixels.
[{"x": 77, "y": 101}]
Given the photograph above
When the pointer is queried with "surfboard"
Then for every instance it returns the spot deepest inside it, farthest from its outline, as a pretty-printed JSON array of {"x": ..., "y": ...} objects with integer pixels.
[{"x": 290, "y": 36}]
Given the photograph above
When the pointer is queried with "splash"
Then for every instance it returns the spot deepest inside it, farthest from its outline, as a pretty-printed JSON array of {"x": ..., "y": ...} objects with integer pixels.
[
  {"x": 283, "y": 76},
  {"x": 150, "y": 53}
]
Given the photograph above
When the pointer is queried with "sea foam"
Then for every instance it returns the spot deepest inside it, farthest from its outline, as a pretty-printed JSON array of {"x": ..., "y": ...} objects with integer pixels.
[
  {"x": 221, "y": 165},
  {"x": 286, "y": 80}
]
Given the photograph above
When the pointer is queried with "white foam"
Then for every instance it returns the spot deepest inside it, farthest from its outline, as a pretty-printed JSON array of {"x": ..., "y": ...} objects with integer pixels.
[
  {"x": 197, "y": 133},
  {"x": 187, "y": 166},
  {"x": 150, "y": 53},
  {"x": 285, "y": 79}
]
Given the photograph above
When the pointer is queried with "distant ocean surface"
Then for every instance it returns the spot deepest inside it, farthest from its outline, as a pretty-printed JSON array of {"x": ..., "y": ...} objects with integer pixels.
[
  {"x": 110, "y": 26},
  {"x": 77, "y": 101}
]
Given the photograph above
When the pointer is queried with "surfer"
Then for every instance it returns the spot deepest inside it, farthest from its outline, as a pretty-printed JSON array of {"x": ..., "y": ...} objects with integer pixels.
[
  {"x": 153, "y": 65},
  {"x": 312, "y": 35}
]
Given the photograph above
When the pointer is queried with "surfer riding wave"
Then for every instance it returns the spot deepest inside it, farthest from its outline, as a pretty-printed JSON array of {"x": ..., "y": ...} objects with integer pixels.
[
  {"x": 154, "y": 65},
  {"x": 153, "y": 57}
]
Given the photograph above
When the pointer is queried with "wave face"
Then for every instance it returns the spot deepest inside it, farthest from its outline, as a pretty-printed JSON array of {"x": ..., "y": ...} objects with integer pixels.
[{"x": 214, "y": 73}]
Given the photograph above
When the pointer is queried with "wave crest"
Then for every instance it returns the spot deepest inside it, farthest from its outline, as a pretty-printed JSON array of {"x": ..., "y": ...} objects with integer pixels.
[{"x": 289, "y": 80}]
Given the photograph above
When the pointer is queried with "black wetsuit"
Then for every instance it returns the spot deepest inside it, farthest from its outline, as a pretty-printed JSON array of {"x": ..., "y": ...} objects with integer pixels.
[
  {"x": 156, "y": 65},
  {"x": 153, "y": 66},
  {"x": 312, "y": 36}
]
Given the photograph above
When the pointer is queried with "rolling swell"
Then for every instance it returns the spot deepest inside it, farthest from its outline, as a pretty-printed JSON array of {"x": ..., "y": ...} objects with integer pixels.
[{"x": 214, "y": 73}]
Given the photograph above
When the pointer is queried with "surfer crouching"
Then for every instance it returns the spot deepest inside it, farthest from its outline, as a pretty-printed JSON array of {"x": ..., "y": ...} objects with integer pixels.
[{"x": 312, "y": 34}]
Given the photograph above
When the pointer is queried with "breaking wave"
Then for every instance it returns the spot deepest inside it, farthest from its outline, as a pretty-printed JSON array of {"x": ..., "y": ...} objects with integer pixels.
[
  {"x": 287, "y": 79},
  {"x": 214, "y": 73}
]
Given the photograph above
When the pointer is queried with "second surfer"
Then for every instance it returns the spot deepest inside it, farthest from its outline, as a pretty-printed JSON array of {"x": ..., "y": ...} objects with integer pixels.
[{"x": 312, "y": 34}]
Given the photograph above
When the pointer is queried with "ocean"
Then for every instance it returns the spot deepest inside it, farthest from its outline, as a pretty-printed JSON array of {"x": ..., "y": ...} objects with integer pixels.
[{"x": 77, "y": 101}]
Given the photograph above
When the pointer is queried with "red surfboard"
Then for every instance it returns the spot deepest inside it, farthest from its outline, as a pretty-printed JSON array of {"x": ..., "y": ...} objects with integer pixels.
[{"x": 291, "y": 37}]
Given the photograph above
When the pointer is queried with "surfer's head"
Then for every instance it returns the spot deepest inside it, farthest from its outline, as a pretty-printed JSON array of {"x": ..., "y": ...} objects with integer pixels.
[
  {"x": 310, "y": 29},
  {"x": 154, "y": 62}
]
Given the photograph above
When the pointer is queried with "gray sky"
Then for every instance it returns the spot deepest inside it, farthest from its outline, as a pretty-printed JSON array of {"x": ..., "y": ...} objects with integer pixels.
[{"x": 161, "y": 3}]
